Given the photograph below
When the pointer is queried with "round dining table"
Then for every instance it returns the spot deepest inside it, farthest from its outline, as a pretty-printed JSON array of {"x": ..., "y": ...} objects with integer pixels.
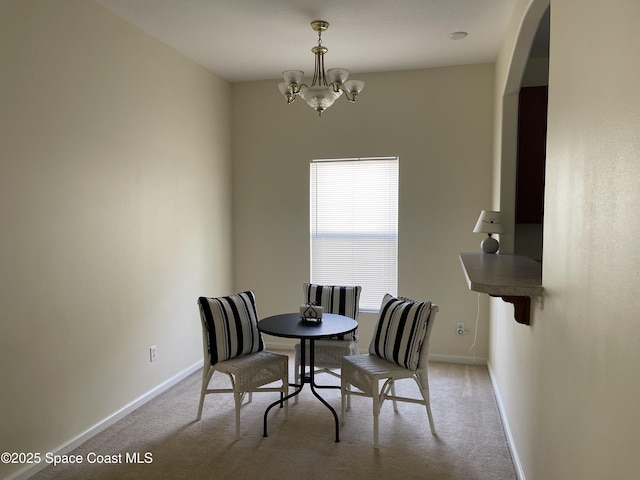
[{"x": 291, "y": 325}]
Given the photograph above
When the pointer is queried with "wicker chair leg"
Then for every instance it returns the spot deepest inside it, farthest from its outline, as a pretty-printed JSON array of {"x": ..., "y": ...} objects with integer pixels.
[
  {"x": 423, "y": 383},
  {"x": 376, "y": 411},
  {"x": 206, "y": 378},
  {"x": 345, "y": 397},
  {"x": 238, "y": 401},
  {"x": 431, "y": 425},
  {"x": 393, "y": 393}
]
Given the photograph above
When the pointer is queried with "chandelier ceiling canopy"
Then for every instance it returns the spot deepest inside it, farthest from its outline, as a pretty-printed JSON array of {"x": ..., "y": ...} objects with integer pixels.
[{"x": 325, "y": 87}]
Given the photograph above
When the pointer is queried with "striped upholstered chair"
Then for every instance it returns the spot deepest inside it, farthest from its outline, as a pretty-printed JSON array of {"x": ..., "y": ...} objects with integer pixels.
[
  {"x": 343, "y": 300},
  {"x": 233, "y": 345},
  {"x": 399, "y": 350}
]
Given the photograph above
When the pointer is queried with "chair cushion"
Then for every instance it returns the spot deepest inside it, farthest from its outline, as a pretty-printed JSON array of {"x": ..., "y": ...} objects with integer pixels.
[
  {"x": 343, "y": 300},
  {"x": 400, "y": 331},
  {"x": 232, "y": 323}
]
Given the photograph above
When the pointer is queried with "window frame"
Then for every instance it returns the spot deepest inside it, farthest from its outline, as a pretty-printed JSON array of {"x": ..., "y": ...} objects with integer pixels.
[{"x": 376, "y": 239}]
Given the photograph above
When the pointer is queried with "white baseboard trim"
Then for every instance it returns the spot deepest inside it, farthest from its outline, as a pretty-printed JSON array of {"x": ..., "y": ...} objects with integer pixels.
[
  {"x": 68, "y": 446},
  {"x": 507, "y": 428},
  {"x": 285, "y": 347},
  {"x": 457, "y": 359}
]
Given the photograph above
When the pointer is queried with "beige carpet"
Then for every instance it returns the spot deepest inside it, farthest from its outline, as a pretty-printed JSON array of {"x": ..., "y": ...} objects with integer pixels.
[{"x": 470, "y": 445}]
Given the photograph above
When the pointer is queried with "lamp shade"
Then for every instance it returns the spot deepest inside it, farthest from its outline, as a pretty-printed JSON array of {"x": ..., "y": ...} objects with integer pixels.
[
  {"x": 284, "y": 88},
  {"x": 488, "y": 222},
  {"x": 339, "y": 75},
  {"x": 293, "y": 76},
  {"x": 354, "y": 86}
]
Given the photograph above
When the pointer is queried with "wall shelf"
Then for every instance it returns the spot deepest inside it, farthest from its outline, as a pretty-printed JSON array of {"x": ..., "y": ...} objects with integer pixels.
[{"x": 514, "y": 278}]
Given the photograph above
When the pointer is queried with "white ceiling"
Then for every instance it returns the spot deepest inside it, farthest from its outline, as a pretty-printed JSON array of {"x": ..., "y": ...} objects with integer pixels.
[{"x": 242, "y": 40}]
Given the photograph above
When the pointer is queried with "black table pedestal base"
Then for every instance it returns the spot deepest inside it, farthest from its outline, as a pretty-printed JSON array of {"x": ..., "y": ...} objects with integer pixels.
[{"x": 310, "y": 379}]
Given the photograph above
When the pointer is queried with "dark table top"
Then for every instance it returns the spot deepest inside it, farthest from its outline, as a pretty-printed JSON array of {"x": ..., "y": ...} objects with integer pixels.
[{"x": 290, "y": 325}]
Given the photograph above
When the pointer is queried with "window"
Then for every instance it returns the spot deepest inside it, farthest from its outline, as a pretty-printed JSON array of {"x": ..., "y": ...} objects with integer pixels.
[{"x": 354, "y": 225}]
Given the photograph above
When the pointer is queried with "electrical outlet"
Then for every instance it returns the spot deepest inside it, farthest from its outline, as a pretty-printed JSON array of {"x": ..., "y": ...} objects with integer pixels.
[
  {"x": 460, "y": 328},
  {"x": 153, "y": 353}
]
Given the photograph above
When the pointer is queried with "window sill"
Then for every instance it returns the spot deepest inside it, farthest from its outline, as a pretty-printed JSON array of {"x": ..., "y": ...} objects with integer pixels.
[{"x": 515, "y": 278}]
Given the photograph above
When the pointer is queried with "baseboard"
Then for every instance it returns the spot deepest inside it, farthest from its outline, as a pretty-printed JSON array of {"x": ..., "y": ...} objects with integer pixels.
[
  {"x": 68, "y": 446},
  {"x": 457, "y": 359},
  {"x": 507, "y": 428},
  {"x": 284, "y": 347}
]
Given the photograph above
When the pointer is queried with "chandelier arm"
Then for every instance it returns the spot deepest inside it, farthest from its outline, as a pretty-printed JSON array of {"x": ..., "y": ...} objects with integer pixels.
[
  {"x": 296, "y": 87},
  {"x": 316, "y": 71},
  {"x": 351, "y": 96},
  {"x": 294, "y": 91},
  {"x": 323, "y": 77}
]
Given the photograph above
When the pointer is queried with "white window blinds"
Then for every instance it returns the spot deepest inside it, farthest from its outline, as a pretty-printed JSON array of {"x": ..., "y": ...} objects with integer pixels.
[{"x": 354, "y": 225}]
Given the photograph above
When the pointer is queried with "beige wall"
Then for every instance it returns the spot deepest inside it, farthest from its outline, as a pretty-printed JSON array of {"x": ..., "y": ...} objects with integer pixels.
[
  {"x": 113, "y": 149},
  {"x": 569, "y": 383},
  {"x": 439, "y": 122},
  {"x": 114, "y": 215}
]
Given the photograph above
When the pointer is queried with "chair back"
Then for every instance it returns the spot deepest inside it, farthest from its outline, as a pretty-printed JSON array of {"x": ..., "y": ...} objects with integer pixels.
[
  {"x": 206, "y": 351},
  {"x": 338, "y": 299},
  {"x": 424, "y": 349},
  {"x": 229, "y": 326}
]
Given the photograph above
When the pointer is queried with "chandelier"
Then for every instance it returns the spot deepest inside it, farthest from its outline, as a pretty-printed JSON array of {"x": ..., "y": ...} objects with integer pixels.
[{"x": 325, "y": 87}]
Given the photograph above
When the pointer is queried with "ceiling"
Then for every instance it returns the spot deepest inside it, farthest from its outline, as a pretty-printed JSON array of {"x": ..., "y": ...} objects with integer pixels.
[{"x": 244, "y": 40}]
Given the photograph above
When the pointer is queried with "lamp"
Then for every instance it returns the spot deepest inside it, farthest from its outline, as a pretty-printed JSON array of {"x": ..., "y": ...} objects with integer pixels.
[
  {"x": 489, "y": 222},
  {"x": 325, "y": 87}
]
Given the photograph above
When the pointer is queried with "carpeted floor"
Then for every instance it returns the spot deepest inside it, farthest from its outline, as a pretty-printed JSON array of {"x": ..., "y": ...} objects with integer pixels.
[{"x": 470, "y": 445}]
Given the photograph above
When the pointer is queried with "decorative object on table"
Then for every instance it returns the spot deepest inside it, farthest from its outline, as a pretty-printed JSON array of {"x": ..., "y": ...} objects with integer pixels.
[
  {"x": 399, "y": 349},
  {"x": 311, "y": 312},
  {"x": 325, "y": 87},
  {"x": 233, "y": 345},
  {"x": 489, "y": 222}
]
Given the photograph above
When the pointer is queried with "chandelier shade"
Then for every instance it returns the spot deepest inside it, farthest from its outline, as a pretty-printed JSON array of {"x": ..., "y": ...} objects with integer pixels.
[
  {"x": 325, "y": 88},
  {"x": 319, "y": 98}
]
